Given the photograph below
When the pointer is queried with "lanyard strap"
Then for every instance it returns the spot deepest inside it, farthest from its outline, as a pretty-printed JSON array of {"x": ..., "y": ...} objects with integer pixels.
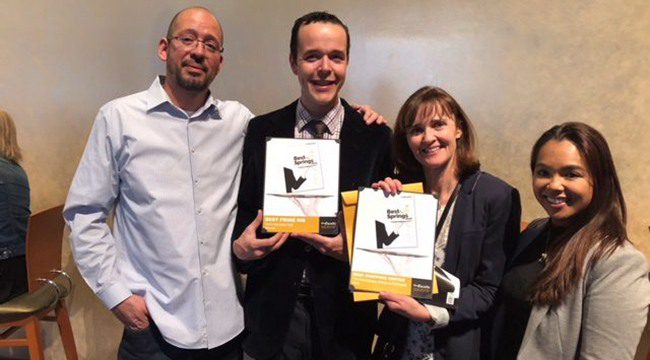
[{"x": 445, "y": 212}]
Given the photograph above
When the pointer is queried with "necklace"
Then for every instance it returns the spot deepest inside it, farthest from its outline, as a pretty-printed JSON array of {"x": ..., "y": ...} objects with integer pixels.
[{"x": 543, "y": 257}]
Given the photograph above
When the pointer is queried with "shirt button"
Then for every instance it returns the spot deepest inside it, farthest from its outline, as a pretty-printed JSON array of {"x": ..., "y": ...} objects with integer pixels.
[
  {"x": 193, "y": 150},
  {"x": 199, "y": 211},
  {"x": 205, "y": 272}
]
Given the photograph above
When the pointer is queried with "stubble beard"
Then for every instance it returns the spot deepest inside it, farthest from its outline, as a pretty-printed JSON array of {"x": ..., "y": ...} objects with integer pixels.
[
  {"x": 188, "y": 83},
  {"x": 191, "y": 84}
]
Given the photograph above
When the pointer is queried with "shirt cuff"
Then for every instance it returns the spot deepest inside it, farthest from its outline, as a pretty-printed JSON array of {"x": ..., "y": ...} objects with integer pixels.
[
  {"x": 114, "y": 295},
  {"x": 439, "y": 315}
]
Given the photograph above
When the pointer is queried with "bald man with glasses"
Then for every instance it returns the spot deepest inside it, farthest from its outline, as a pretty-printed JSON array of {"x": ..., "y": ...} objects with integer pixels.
[{"x": 167, "y": 162}]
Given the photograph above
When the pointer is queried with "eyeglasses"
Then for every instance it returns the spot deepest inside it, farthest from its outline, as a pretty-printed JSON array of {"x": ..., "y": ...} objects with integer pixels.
[{"x": 191, "y": 41}]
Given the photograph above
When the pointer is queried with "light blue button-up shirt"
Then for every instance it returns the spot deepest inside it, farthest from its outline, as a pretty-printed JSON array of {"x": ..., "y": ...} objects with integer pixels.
[{"x": 172, "y": 181}]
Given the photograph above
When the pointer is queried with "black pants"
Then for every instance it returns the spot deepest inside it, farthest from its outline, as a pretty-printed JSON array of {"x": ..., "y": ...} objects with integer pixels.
[
  {"x": 13, "y": 277},
  {"x": 301, "y": 342},
  {"x": 150, "y": 345}
]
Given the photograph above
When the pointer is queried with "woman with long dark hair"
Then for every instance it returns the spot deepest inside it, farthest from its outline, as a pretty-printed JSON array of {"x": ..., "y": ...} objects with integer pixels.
[
  {"x": 14, "y": 212},
  {"x": 577, "y": 287},
  {"x": 435, "y": 143}
]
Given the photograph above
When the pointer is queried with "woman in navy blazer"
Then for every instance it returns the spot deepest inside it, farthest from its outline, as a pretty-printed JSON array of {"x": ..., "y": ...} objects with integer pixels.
[{"x": 434, "y": 142}]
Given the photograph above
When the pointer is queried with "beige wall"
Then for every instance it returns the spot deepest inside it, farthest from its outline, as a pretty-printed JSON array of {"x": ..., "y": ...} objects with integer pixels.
[{"x": 517, "y": 67}]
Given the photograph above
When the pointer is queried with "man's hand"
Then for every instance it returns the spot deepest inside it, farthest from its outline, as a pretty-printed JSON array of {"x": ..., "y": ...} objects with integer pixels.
[
  {"x": 389, "y": 185},
  {"x": 249, "y": 247},
  {"x": 133, "y": 313},
  {"x": 330, "y": 246},
  {"x": 370, "y": 116},
  {"x": 405, "y": 306}
]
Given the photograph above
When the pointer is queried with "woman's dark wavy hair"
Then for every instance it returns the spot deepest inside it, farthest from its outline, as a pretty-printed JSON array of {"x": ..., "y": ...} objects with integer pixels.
[
  {"x": 596, "y": 231},
  {"x": 409, "y": 169}
]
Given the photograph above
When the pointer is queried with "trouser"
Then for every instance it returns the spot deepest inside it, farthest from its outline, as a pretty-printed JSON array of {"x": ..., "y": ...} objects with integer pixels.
[
  {"x": 301, "y": 342},
  {"x": 150, "y": 345},
  {"x": 13, "y": 277}
]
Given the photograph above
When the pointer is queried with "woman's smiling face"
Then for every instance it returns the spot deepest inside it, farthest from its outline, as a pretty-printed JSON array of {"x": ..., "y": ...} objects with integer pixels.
[
  {"x": 562, "y": 182},
  {"x": 433, "y": 138}
]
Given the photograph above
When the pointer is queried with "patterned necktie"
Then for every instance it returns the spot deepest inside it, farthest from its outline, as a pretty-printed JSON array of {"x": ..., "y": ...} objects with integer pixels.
[{"x": 318, "y": 128}]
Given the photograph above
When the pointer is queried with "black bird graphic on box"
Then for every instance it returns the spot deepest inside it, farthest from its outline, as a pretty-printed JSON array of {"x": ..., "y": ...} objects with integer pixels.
[
  {"x": 382, "y": 236},
  {"x": 290, "y": 181}
]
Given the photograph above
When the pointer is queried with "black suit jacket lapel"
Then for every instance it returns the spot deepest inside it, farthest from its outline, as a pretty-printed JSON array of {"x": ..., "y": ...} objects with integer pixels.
[
  {"x": 351, "y": 129},
  {"x": 353, "y": 140},
  {"x": 285, "y": 122},
  {"x": 458, "y": 223}
]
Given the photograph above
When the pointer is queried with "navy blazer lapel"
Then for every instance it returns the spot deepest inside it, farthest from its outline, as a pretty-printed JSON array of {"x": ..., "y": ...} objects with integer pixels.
[{"x": 463, "y": 206}]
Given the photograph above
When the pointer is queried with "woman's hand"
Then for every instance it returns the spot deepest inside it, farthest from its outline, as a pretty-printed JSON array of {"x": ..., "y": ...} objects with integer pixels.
[
  {"x": 405, "y": 306},
  {"x": 389, "y": 185},
  {"x": 370, "y": 116}
]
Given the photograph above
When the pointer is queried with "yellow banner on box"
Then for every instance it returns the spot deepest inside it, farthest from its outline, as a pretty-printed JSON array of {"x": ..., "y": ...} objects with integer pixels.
[
  {"x": 378, "y": 282},
  {"x": 289, "y": 224}
]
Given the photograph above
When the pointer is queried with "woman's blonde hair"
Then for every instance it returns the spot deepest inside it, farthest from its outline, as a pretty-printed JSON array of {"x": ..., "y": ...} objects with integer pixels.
[{"x": 9, "y": 148}]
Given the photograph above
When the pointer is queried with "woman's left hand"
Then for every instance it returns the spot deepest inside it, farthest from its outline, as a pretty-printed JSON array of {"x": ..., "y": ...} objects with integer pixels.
[
  {"x": 389, "y": 185},
  {"x": 405, "y": 306},
  {"x": 370, "y": 116}
]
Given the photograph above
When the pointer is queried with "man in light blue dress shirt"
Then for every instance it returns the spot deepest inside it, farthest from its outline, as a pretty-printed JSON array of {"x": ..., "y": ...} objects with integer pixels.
[{"x": 167, "y": 162}]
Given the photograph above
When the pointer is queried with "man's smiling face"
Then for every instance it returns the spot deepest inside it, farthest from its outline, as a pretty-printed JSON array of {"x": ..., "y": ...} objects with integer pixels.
[{"x": 321, "y": 65}]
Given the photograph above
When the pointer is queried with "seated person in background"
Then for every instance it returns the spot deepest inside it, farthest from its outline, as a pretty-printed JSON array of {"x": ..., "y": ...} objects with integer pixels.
[
  {"x": 576, "y": 287},
  {"x": 479, "y": 217},
  {"x": 14, "y": 213}
]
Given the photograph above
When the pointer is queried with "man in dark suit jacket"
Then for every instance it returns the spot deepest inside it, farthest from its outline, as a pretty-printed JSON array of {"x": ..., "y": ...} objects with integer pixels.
[{"x": 297, "y": 303}]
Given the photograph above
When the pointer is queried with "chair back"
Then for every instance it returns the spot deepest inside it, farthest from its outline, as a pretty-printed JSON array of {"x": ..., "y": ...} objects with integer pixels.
[{"x": 44, "y": 240}]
